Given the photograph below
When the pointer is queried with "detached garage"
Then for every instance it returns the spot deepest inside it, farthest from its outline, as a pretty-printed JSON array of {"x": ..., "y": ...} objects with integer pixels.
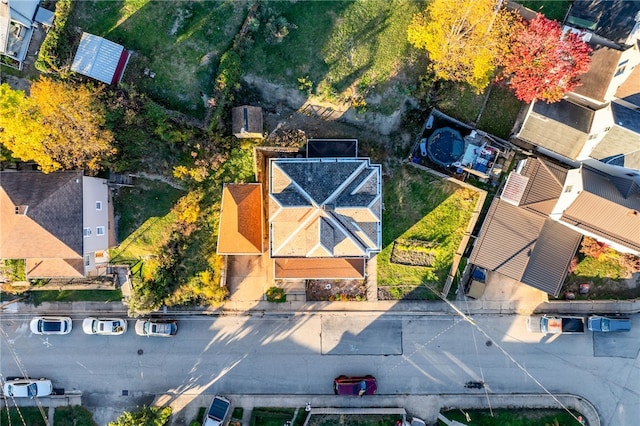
[{"x": 100, "y": 59}]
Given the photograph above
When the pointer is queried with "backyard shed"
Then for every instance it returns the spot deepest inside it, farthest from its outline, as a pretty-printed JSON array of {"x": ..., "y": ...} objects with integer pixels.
[
  {"x": 247, "y": 122},
  {"x": 100, "y": 59}
]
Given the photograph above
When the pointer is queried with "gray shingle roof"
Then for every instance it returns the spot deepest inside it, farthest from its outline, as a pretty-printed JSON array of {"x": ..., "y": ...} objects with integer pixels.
[
  {"x": 54, "y": 202},
  {"x": 325, "y": 207},
  {"x": 561, "y": 127},
  {"x": 611, "y": 19},
  {"x": 596, "y": 81}
]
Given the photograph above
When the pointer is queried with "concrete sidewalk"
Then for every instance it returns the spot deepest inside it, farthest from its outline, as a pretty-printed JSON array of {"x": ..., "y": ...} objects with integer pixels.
[
  {"x": 426, "y": 407},
  {"x": 292, "y": 308}
]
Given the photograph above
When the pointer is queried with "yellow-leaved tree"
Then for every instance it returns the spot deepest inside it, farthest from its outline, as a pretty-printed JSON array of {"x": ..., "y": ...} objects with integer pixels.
[
  {"x": 59, "y": 126},
  {"x": 466, "y": 39}
]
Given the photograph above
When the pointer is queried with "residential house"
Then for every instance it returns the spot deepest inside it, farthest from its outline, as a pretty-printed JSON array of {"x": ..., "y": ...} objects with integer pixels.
[
  {"x": 18, "y": 21},
  {"x": 100, "y": 59},
  {"x": 533, "y": 228},
  {"x": 59, "y": 223},
  {"x": 600, "y": 118},
  {"x": 323, "y": 214}
]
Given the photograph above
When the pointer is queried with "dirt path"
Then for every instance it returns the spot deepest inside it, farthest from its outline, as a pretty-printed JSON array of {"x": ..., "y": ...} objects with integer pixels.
[{"x": 313, "y": 106}]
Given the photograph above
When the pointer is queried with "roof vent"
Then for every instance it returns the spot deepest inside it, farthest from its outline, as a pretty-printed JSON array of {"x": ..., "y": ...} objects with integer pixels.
[
  {"x": 633, "y": 213},
  {"x": 22, "y": 209}
]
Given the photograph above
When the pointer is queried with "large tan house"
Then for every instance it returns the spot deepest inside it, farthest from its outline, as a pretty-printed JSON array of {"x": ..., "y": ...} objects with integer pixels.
[{"x": 59, "y": 223}]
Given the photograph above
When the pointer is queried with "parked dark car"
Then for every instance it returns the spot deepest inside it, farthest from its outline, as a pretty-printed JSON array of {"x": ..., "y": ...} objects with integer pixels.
[
  {"x": 360, "y": 386},
  {"x": 605, "y": 325}
]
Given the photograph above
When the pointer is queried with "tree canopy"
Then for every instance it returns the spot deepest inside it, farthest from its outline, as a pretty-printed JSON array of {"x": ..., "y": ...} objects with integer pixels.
[
  {"x": 542, "y": 62},
  {"x": 145, "y": 416},
  {"x": 465, "y": 39},
  {"x": 59, "y": 126}
]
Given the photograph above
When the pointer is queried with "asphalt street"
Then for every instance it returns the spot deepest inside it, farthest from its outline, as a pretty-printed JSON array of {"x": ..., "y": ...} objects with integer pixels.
[{"x": 300, "y": 354}]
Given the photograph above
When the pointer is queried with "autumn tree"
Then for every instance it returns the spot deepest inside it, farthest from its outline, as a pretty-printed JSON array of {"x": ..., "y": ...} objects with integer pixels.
[
  {"x": 465, "y": 39},
  {"x": 543, "y": 62},
  {"x": 59, "y": 126}
]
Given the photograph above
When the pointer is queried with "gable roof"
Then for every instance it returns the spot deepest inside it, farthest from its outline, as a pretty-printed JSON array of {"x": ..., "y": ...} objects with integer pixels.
[
  {"x": 604, "y": 63},
  {"x": 324, "y": 207},
  {"x": 611, "y": 19},
  {"x": 562, "y": 127},
  {"x": 241, "y": 219},
  {"x": 629, "y": 91},
  {"x": 41, "y": 217},
  {"x": 608, "y": 206},
  {"x": 521, "y": 241},
  {"x": 100, "y": 59}
]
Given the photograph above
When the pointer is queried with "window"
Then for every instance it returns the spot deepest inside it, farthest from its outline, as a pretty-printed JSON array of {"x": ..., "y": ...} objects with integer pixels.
[
  {"x": 568, "y": 188},
  {"x": 86, "y": 232},
  {"x": 98, "y": 205},
  {"x": 99, "y": 230},
  {"x": 619, "y": 71},
  {"x": 87, "y": 260}
]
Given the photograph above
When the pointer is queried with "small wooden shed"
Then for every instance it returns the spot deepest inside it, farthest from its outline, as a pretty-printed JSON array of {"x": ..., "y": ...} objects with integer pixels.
[{"x": 247, "y": 122}]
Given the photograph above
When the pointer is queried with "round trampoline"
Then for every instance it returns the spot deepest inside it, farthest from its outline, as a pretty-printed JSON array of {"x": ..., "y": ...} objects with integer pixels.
[{"x": 445, "y": 146}]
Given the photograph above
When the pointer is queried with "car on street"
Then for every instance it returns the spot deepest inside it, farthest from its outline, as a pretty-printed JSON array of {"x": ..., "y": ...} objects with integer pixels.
[
  {"x": 156, "y": 327},
  {"x": 104, "y": 326},
  {"x": 607, "y": 324},
  {"x": 27, "y": 388},
  {"x": 51, "y": 325},
  {"x": 355, "y": 385}
]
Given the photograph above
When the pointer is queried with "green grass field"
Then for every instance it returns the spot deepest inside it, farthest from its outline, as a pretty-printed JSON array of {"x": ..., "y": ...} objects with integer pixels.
[
  {"x": 337, "y": 45},
  {"x": 513, "y": 417},
  {"x": 419, "y": 207},
  {"x": 552, "y": 9},
  {"x": 180, "y": 41}
]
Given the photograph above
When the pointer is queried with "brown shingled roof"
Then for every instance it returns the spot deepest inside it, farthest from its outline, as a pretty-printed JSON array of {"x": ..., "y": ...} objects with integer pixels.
[
  {"x": 315, "y": 268},
  {"x": 41, "y": 221},
  {"x": 241, "y": 219}
]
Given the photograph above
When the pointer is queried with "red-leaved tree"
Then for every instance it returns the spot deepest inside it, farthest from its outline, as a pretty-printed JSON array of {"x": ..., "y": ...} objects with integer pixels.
[{"x": 542, "y": 62}]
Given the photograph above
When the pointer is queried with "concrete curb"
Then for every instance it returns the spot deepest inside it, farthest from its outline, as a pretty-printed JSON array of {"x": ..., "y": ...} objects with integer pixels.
[{"x": 262, "y": 308}]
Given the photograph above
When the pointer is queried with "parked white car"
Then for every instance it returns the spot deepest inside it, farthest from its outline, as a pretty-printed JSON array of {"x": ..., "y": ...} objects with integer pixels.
[
  {"x": 51, "y": 325},
  {"x": 27, "y": 388},
  {"x": 104, "y": 326}
]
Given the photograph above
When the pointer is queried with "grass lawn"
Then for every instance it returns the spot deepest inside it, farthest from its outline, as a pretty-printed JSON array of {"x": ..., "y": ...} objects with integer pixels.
[
  {"x": 353, "y": 420},
  {"x": 39, "y": 297},
  {"x": 143, "y": 211},
  {"x": 461, "y": 102},
  {"x": 512, "y": 417},
  {"x": 434, "y": 213},
  {"x": 180, "y": 41},
  {"x": 73, "y": 416},
  {"x": 337, "y": 44},
  {"x": 271, "y": 416},
  {"x": 552, "y": 9},
  {"x": 30, "y": 416},
  {"x": 500, "y": 112}
]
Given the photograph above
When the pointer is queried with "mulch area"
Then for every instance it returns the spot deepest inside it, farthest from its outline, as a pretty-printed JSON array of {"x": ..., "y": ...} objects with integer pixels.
[{"x": 332, "y": 290}]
